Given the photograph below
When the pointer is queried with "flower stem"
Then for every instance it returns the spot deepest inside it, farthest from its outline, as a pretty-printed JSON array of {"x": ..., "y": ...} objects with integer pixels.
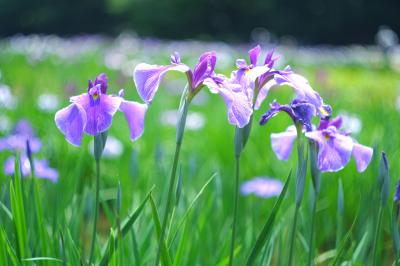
[
  {"x": 292, "y": 235},
  {"x": 96, "y": 211},
  {"x": 376, "y": 238},
  {"x": 310, "y": 241},
  {"x": 184, "y": 106},
  {"x": 169, "y": 199},
  {"x": 235, "y": 207}
]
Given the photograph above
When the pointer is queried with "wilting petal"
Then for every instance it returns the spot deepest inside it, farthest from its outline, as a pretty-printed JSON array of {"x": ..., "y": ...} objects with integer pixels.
[
  {"x": 334, "y": 152},
  {"x": 282, "y": 143},
  {"x": 99, "y": 114},
  {"x": 262, "y": 187},
  {"x": 301, "y": 87},
  {"x": 134, "y": 113},
  {"x": 147, "y": 78},
  {"x": 253, "y": 55},
  {"x": 362, "y": 155},
  {"x": 71, "y": 121}
]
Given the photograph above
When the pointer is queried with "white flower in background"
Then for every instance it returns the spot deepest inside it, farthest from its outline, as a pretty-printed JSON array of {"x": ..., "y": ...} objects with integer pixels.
[
  {"x": 48, "y": 102},
  {"x": 113, "y": 148},
  {"x": 5, "y": 124},
  {"x": 7, "y": 100},
  {"x": 351, "y": 122},
  {"x": 262, "y": 186},
  {"x": 194, "y": 121}
]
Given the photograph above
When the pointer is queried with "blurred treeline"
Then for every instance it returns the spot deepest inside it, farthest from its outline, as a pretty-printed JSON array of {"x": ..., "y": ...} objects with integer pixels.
[{"x": 306, "y": 21}]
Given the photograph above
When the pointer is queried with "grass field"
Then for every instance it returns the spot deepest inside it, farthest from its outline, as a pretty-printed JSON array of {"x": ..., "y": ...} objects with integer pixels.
[{"x": 366, "y": 90}]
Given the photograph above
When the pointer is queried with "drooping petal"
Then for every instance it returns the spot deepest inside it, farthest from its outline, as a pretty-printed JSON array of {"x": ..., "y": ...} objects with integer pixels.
[
  {"x": 147, "y": 78},
  {"x": 334, "y": 152},
  {"x": 362, "y": 155},
  {"x": 239, "y": 107},
  {"x": 253, "y": 54},
  {"x": 282, "y": 143},
  {"x": 71, "y": 121},
  {"x": 134, "y": 113}
]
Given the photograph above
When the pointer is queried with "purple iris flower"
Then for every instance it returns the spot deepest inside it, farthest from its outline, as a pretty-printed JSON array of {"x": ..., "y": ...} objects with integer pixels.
[
  {"x": 92, "y": 112},
  {"x": 17, "y": 142},
  {"x": 299, "y": 111},
  {"x": 147, "y": 77},
  {"x": 263, "y": 187},
  {"x": 42, "y": 169},
  {"x": 334, "y": 146}
]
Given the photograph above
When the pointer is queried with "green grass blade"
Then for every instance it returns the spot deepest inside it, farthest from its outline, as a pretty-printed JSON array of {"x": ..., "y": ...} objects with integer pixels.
[
  {"x": 43, "y": 259},
  {"x": 165, "y": 257},
  {"x": 262, "y": 237},
  {"x": 126, "y": 227},
  {"x": 3, "y": 249},
  {"x": 18, "y": 211},
  {"x": 359, "y": 248},
  {"x": 342, "y": 248},
  {"x": 12, "y": 255},
  {"x": 190, "y": 208},
  {"x": 182, "y": 245}
]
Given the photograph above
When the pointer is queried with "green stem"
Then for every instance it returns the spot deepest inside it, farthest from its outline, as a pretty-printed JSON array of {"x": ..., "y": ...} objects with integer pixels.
[
  {"x": 293, "y": 234},
  {"x": 310, "y": 241},
  {"x": 376, "y": 238},
  {"x": 96, "y": 212},
  {"x": 169, "y": 200},
  {"x": 235, "y": 207}
]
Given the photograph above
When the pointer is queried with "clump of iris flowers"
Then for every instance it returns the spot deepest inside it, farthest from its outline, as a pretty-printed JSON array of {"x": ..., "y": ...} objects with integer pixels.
[{"x": 17, "y": 142}]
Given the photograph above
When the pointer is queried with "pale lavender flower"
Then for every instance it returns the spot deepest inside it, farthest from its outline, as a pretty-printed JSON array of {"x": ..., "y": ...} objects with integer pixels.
[
  {"x": 21, "y": 133},
  {"x": 263, "y": 187},
  {"x": 335, "y": 147},
  {"x": 92, "y": 112},
  {"x": 42, "y": 169}
]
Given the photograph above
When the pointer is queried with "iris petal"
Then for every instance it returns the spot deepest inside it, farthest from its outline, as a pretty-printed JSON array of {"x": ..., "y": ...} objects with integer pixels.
[
  {"x": 334, "y": 152},
  {"x": 282, "y": 143},
  {"x": 134, "y": 113},
  {"x": 362, "y": 155},
  {"x": 147, "y": 78},
  {"x": 71, "y": 121},
  {"x": 99, "y": 115}
]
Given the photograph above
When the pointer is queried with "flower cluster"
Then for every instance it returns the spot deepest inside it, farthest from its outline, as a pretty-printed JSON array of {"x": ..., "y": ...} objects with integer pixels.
[{"x": 22, "y": 137}]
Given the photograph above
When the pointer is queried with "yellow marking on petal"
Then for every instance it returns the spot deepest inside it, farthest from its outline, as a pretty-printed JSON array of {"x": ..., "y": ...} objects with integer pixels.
[
  {"x": 323, "y": 111},
  {"x": 327, "y": 137},
  {"x": 95, "y": 96},
  {"x": 247, "y": 70}
]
